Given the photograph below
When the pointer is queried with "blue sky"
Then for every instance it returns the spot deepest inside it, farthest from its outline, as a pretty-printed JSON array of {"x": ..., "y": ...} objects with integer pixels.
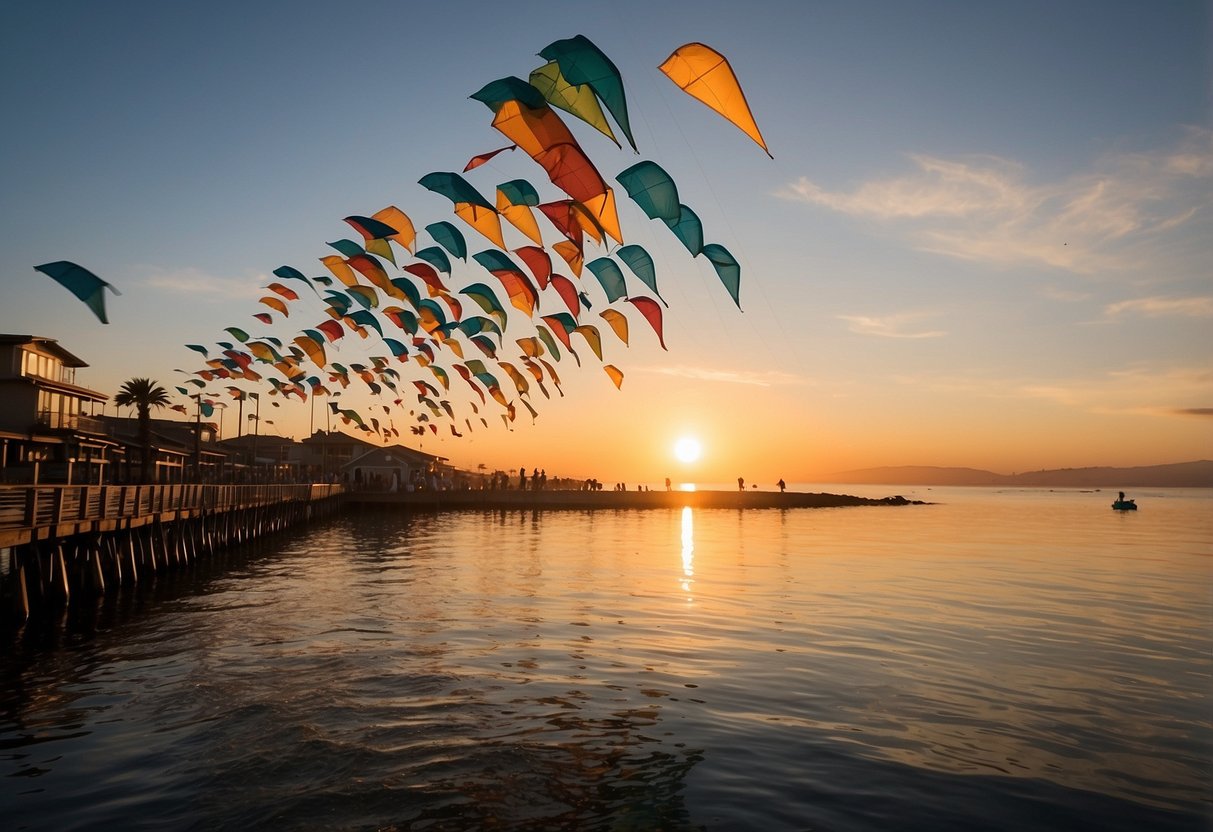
[{"x": 983, "y": 239}]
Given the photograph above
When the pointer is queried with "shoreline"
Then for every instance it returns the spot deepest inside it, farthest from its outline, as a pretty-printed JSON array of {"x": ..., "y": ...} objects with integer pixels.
[{"x": 612, "y": 500}]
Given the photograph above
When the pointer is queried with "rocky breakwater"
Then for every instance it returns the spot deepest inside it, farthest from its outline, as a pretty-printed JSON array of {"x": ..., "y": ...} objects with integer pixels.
[{"x": 613, "y": 500}]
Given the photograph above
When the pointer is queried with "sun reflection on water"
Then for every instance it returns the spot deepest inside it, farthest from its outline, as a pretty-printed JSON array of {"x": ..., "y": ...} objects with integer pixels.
[{"x": 688, "y": 552}]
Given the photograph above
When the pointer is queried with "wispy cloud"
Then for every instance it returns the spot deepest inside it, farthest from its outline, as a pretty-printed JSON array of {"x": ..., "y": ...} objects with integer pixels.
[
  {"x": 986, "y": 209},
  {"x": 1141, "y": 389},
  {"x": 900, "y": 325},
  {"x": 1146, "y": 389},
  {"x": 198, "y": 283},
  {"x": 763, "y": 378},
  {"x": 1161, "y": 307}
]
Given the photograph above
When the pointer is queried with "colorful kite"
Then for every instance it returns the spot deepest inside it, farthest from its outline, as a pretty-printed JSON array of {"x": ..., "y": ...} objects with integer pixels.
[
  {"x": 80, "y": 282},
  {"x": 705, "y": 74}
]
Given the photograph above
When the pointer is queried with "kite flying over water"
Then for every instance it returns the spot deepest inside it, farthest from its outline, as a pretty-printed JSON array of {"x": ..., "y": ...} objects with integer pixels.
[{"x": 417, "y": 299}]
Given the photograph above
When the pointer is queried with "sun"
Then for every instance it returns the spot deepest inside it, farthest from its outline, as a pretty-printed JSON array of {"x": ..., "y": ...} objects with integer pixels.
[{"x": 687, "y": 449}]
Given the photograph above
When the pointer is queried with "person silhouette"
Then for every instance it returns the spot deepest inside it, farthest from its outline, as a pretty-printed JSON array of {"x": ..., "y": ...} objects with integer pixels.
[
  {"x": 741, "y": 483},
  {"x": 782, "y": 485}
]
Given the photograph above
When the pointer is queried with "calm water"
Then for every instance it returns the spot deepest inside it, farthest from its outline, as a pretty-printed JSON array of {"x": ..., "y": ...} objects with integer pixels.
[{"x": 1001, "y": 660}]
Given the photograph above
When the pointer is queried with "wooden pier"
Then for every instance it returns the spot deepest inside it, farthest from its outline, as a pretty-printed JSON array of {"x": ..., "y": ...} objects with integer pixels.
[{"x": 64, "y": 540}]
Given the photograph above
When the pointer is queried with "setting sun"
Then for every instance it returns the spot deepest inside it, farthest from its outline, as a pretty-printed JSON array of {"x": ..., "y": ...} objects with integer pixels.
[{"x": 687, "y": 449}]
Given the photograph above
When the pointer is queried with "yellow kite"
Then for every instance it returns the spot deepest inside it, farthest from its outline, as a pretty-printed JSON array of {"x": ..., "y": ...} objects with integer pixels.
[{"x": 704, "y": 73}]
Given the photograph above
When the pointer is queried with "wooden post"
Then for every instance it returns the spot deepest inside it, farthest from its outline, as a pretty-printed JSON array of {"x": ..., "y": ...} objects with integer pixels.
[
  {"x": 59, "y": 582},
  {"x": 23, "y": 608}
]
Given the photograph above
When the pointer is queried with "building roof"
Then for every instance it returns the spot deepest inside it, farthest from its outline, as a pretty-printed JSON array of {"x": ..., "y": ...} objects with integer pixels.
[
  {"x": 47, "y": 345},
  {"x": 398, "y": 454},
  {"x": 336, "y": 437}
]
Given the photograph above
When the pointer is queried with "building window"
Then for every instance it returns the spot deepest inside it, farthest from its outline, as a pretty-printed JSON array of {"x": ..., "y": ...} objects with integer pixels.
[{"x": 34, "y": 364}]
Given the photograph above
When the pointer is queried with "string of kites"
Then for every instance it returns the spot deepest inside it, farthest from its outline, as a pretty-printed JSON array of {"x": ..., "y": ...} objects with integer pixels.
[{"x": 577, "y": 79}]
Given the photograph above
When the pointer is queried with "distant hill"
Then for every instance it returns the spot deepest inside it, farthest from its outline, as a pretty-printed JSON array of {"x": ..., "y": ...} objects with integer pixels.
[{"x": 1178, "y": 475}]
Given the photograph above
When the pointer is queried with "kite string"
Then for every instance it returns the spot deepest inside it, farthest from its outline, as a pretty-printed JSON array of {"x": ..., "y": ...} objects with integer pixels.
[{"x": 733, "y": 236}]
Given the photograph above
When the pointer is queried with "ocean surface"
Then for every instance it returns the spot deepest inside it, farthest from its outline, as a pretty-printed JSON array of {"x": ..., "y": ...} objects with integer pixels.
[{"x": 1000, "y": 659}]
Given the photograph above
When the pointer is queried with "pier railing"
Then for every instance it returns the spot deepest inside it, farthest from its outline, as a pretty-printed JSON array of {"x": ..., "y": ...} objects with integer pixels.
[{"x": 27, "y": 507}]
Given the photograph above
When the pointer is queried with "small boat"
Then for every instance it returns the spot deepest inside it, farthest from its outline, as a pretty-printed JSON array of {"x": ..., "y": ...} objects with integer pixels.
[{"x": 1124, "y": 505}]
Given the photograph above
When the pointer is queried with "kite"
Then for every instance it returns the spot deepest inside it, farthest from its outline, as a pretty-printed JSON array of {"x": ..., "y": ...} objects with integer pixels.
[
  {"x": 609, "y": 276},
  {"x": 641, "y": 264},
  {"x": 538, "y": 261},
  {"x": 726, "y": 267},
  {"x": 590, "y": 333},
  {"x": 577, "y": 100},
  {"x": 615, "y": 374},
  {"x": 581, "y": 62},
  {"x": 436, "y": 257},
  {"x": 398, "y": 220},
  {"x": 705, "y": 74},
  {"x": 275, "y": 303},
  {"x": 571, "y": 254},
  {"x": 347, "y": 247},
  {"x": 568, "y": 293},
  {"x": 470, "y": 206},
  {"x": 652, "y": 189},
  {"x": 278, "y": 288},
  {"x": 652, "y": 313},
  {"x": 618, "y": 322},
  {"x": 80, "y": 282},
  {"x": 688, "y": 229},
  {"x": 477, "y": 161},
  {"x": 514, "y": 202},
  {"x": 450, "y": 238},
  {"x": 486, "y": 299}
]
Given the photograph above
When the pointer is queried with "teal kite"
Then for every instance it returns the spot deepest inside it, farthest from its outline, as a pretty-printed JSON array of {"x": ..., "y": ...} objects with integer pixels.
[
  {"x": 80, "y": 282},
  {"x": 581, "y": 62},
  {"x": 519, "y": 192},
  {"x": 436, "y": 257},
  {"x": 688, "y": 229},
  {"x": 641, "y": 264},
  {"x": 610, "y": 277},
  {"x": 409, "y": 289},
  {"x": 371, "y": 228},
  {"x": 652, "y": 189},
  {"x": 347, "y": 247},
  {"x": 496, "y": 93},
  {"x": 455, "y": 188},
  {"x": 726, "y": 267},
  {"x": 450, "y": 238}
]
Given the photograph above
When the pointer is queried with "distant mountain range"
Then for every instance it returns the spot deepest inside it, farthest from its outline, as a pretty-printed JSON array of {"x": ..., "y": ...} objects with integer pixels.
[{"x": 1179, "y": 475}]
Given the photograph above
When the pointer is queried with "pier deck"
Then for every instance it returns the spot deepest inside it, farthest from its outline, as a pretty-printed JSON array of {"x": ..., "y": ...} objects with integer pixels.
[{"x": 33, "y": 513}]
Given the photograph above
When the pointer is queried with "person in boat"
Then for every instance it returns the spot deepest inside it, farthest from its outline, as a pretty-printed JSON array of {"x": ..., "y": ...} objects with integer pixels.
[{"x": 1121, "y": 498}]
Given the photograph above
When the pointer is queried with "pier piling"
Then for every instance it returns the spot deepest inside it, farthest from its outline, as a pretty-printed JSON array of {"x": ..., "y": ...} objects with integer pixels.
[{"x": 63, "y": 544}]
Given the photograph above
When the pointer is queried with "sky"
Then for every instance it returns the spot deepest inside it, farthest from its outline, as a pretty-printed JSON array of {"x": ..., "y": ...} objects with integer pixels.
[{"x": 984, "y": 240}]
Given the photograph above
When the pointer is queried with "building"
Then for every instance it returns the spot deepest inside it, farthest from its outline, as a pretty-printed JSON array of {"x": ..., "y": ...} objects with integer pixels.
[
  {"x": 181, "y": 450},
  {"x": 396, "y": 468},
  {"x": 273, "y": 456},
  {"x": 325, "y": 454},
  {"x": 48, "y": 432}
]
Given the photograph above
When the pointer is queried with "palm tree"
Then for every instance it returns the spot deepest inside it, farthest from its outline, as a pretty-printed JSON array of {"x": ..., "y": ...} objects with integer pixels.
[{"x": 143, "y": 394}]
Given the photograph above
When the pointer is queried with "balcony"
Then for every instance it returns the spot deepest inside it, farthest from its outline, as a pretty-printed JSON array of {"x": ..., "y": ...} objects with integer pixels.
[{"x": 70, "y": 421}]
